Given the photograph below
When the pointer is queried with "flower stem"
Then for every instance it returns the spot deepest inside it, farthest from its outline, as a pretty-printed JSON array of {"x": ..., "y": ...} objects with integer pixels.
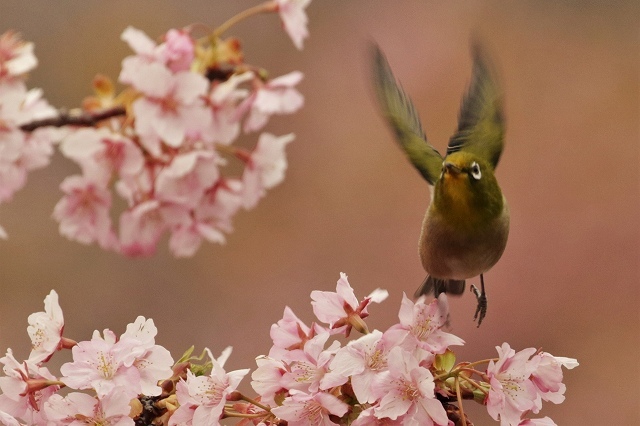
[
  {"x": 474, "y": 384},
  {"x": 463, "y": 418},
  {"x": 266, "y": 7},
  {"x": 484, "y": 361},
  {"x": 256, "y": 403}
]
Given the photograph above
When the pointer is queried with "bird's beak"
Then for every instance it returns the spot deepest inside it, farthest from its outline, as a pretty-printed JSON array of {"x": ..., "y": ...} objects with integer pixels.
[{"x": 451, "y": 168}]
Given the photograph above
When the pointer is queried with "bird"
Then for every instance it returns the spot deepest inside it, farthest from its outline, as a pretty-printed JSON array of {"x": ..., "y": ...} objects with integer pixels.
[{"x": 465, "y": 228}]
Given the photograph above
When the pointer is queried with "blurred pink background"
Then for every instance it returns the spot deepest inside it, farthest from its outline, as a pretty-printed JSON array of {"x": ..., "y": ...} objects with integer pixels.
[{"x": 569, "y": 279}]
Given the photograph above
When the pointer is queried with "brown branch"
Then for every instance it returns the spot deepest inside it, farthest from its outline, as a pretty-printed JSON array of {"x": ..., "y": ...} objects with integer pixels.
[{"x": 71, "y": 118}]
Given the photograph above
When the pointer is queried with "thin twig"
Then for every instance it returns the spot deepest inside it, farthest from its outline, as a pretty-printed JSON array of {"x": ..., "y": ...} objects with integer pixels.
[{"x": 83, "y": 119}]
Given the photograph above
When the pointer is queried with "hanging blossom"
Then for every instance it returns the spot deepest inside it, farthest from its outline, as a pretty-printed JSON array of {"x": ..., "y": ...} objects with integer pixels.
[
  {"x": 308, "y": 377},
  {"x": 20, "y": 151},
  {"x": 162, "y": 144}
]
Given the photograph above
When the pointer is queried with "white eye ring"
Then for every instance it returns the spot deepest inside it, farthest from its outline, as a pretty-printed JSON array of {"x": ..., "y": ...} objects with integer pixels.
[{"x": 475, "y": 171}]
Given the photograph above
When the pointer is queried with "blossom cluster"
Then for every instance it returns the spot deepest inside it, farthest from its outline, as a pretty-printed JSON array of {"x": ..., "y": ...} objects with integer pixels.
[
  {"x": 406, "y": 375},
  {"x": 20, "y": 152},
  {"x": 162, "y": 143}
]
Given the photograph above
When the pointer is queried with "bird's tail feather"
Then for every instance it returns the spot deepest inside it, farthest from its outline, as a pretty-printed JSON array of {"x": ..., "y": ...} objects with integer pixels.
[{"x": 436, "y": 286}]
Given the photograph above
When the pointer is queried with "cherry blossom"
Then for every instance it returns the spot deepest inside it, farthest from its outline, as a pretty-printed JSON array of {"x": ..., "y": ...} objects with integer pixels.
[
  {"x": 266, "y": 380},
  {"x": 16, "y": 56},
  {"x": 367, "y": 418},
  {"x": 187, "y": 178},
  {"x": 306, "y": 368},
  {"x": 77, "y": 409},
  {"x": 25, "y": 389},
  {"x": 103, "y": 364},
  {"x": 224, "y": 102},
  {"x": 421, "y": 324},
  {"x": 341, "y": 309},
  {"x": 301, "y": 409},
  {"x": 291, "y": 333},
  {"x": 277, "y": 96},
  {"x": 152, "y": 361},
  {"x": 265, "y": 168},
  {"x": 133, "y": 364},
  {"x": 547, "y": 377},
  {"x": 45, "y": 329},
  {"x": 83, "y": 213},
  {"x": 21, "y": 152},
  {"x": 545, "y": 421},
  {"x": 362, "y": 360},
  {"x": 8, "y": 420},
  {"x": 171, "y": 105},
  {"x": 408, "y": 389},
  {"x": 178, "y": 50},
  {"x": 512, "y": 392},
  {"x": 103, "y": 154},
  {"x": 294, "y": 19},
  {"x": 202, "y": 398}
]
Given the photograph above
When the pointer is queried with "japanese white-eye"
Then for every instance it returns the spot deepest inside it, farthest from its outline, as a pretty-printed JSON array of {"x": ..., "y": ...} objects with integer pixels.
[{"x": 465, "y": 228}]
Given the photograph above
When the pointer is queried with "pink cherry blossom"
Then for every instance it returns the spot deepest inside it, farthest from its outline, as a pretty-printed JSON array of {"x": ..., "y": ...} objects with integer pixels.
[
  {"x": 152, "y": 361},
  {"x": 186, "y": 179},
  {"x": 210, "y": 219},
  {"x": 421, "y": 325},
  {"x": 78, "y": 409},
  {"x": 341, "y": 309},
  {"x": 265, "y": 168},
  {"x": 367, "y": 418},
  {"x": 202, "y": 398},
  {"x": 140, "y": 229},
  {"x": 146, "y": 52},
  {"x": 103, "y": 364},
  {"x": 101, "y": 153},
  {"x": 291, "y": 333},
  {"x": 545, "y": 421},
  {"x": 186, "y": 239},
  {"x": 547, "y": 377},
  {"x": 83, "y": 212},
  {"x": 301, "y": 409},
  {"x": 178, "y": 50},
  {"x": 362, "y": 360},
  {"x": 45, "y": 329},
  {"x": 172, "y": 103},
  {"x": 306, "y": 368},
  {"x": 224, "y": 103},
  {"x": 408, "y": 389},
  {"x": 16, "y": 56},
  {"x": 277, "y": 96},
  {"x": 21, "y": 151},
  {"x": 25, "y": 389},
  {"x": 512, "y": 392},
  {"x": 8, "y": 420},
  {"x": 266, "y": 380},
  {"x": 294, "y": 19}
]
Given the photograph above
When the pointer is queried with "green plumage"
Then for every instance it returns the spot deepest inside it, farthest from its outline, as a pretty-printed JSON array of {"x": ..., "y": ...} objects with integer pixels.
[
  {"x": 465, "y": 229},
  {"x": 404, "y": 120}
]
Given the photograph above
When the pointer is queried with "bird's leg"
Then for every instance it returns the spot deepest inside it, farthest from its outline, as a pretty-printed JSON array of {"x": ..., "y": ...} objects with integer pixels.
[{"x": 481, "y": 296}]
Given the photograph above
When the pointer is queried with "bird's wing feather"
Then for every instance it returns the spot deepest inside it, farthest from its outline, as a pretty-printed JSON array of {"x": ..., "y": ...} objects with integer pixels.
[
  {"x": 403, "y": 118},
  {"x": 481, "y": 121}
]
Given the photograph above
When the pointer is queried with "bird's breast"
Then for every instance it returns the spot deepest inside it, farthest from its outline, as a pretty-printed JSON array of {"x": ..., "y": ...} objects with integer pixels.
[{"x": 459, "y": 251}]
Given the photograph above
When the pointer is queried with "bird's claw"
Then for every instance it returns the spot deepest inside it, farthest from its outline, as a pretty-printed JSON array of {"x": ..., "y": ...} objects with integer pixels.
[{"x": 481, "y": 309}]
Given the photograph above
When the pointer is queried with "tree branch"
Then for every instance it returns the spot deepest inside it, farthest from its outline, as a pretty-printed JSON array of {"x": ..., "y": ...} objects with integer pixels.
[{"x": 71, "y": 118}]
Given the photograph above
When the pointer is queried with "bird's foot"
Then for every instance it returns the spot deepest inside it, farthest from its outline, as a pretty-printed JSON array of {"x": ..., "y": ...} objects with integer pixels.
[{"x": 481, "y": 309}]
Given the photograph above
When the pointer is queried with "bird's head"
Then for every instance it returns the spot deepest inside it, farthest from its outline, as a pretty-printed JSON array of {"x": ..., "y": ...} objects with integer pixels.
[{"x": 467, "y": 187}]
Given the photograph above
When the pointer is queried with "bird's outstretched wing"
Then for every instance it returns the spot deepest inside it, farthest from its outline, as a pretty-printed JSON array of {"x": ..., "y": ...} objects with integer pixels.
[
  {"x": 403, "y": 118},
  {"x": 481, "y": 121}
]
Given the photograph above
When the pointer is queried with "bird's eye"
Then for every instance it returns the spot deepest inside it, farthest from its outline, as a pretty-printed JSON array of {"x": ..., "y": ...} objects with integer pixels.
[{"x": 475, "y": 171}]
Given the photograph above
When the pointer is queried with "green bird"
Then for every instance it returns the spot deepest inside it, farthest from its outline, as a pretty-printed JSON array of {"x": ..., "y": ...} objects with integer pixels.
[{"x": 465, "y": 228}]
